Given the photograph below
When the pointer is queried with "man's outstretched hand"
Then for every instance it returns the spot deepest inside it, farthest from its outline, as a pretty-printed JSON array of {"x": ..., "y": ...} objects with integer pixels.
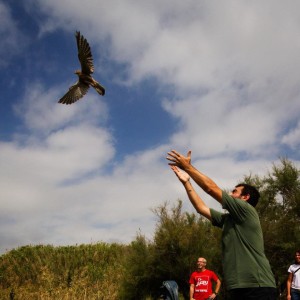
[
  {"x": 179, "y": 160},
  {"x": 182, "y": 176}
]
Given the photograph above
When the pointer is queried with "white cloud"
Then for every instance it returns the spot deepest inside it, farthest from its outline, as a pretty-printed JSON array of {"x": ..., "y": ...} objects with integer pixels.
[
  {"x": 42, "y": 114},
  {"x": 244, "y": 51},
  {"x": 11, "y": 38},
  {"x": 233, "y": 68},
  {"x": 292, "y": 138}
]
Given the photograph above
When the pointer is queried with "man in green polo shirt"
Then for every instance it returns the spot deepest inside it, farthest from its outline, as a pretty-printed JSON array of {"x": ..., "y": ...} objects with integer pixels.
[{"x": 247, "y": 271}]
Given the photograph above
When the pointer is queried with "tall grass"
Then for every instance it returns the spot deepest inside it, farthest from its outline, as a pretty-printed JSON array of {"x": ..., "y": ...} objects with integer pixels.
[{"x": 72, "y": 272}]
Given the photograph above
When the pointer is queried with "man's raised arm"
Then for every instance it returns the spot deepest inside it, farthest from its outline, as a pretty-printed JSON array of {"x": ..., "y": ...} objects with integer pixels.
[{"x": 195, "y": 199}]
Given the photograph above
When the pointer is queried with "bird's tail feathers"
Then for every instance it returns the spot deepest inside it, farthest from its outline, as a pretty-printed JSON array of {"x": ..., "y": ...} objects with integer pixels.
[{"x": 99, "y": 88}]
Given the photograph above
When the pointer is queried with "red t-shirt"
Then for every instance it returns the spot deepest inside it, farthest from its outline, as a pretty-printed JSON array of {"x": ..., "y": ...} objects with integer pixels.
[{"x": 203, "y": 283}]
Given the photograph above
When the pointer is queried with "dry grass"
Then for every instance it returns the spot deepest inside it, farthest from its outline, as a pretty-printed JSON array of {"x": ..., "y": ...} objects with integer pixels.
[{"x": 65, "y": 273}]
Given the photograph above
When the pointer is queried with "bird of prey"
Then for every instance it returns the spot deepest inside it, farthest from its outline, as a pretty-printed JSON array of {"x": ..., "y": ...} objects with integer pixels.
[{"x": 85, "y": 80}]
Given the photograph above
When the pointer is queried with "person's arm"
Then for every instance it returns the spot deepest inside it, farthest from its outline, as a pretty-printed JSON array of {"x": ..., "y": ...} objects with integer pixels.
[
  {"x": 184, "y": 163},
  {"x": 192, "y": 288},
  {"x": 195, "y": 199},
  {"x": 218, "y": 286},
  {"x": 288, "y": 286}
]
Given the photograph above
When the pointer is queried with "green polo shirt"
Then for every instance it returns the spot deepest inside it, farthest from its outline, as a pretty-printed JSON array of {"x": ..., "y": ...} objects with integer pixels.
[{"x": 244, "y": 262}]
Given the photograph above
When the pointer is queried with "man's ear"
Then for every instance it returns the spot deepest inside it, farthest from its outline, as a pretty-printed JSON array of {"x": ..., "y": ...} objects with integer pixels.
[{"x": 246, "y": 197}]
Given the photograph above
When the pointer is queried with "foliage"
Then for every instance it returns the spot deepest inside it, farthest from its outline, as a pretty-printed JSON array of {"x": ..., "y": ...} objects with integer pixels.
[
  {"x": 178, "y": 241},
  {"x": 136, "y": 283},
  {"x": 83, "y": 271},
  {"x": 180, "y": 238}
]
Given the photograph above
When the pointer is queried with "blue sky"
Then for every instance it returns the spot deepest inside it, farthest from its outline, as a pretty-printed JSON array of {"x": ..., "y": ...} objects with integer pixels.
[{"x": 219, "y": 78}]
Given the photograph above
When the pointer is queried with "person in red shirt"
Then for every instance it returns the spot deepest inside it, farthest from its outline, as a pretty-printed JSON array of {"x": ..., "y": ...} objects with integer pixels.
[{"x": 201, "y": 282}]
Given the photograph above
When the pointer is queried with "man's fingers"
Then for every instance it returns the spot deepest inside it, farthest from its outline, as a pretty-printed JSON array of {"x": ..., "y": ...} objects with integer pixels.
[
  {"x": 173, "y": 154},
  {"x": 176, "y": 153},
  {"x": 174, "y": 168}
]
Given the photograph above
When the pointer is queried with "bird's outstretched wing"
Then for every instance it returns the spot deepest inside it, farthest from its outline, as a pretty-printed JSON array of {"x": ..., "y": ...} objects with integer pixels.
[
  {"x": 76, "y": 91},
  {"x": 84, "y": 54}
]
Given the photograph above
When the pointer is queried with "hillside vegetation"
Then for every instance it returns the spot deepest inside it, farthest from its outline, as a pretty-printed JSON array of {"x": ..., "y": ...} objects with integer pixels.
[{"x": 74, "y": 272}]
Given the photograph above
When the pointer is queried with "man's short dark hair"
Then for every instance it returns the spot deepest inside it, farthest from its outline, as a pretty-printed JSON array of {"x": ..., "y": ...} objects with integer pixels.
[{"x": 251, "y": 191}]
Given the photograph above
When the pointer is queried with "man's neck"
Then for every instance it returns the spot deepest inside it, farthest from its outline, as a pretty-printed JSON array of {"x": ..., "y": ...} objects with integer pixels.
[{"x": 201, "y": 270}]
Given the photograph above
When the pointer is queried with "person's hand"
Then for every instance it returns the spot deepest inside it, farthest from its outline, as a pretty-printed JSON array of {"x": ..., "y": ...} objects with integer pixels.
[
  {"x": 178, "y": 159},
  {"x": 288, "y": 297},
  {"x": 212, "y": 296},
  {"x": 182, "y": 176}
]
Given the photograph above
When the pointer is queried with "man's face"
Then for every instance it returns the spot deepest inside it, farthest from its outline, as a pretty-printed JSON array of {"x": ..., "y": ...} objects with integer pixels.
[
  {"x": 201, "y": 263},
  {"x": 237, "y": 192},
  {"x": 297, "y": 257}
]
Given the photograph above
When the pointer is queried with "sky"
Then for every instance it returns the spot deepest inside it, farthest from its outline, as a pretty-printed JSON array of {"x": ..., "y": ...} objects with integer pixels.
[{"x": 220, "y": 78}]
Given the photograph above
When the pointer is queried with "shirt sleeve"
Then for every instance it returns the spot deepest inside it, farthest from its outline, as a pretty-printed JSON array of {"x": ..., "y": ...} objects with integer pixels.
[
  {"x": 214, "y": 277},
  {"x": 191, "y": 281},
  {"x": 217, "y": 218}
]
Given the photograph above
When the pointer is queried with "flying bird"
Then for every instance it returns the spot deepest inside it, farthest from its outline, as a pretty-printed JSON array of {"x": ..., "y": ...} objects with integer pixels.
[{"x": 85, "y": 80}]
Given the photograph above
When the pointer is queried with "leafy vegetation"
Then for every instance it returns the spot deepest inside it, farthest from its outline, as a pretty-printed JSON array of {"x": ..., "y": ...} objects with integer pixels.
[
  {"x": 76, "y": 272},
  {"x": 136, "y": 271}
]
